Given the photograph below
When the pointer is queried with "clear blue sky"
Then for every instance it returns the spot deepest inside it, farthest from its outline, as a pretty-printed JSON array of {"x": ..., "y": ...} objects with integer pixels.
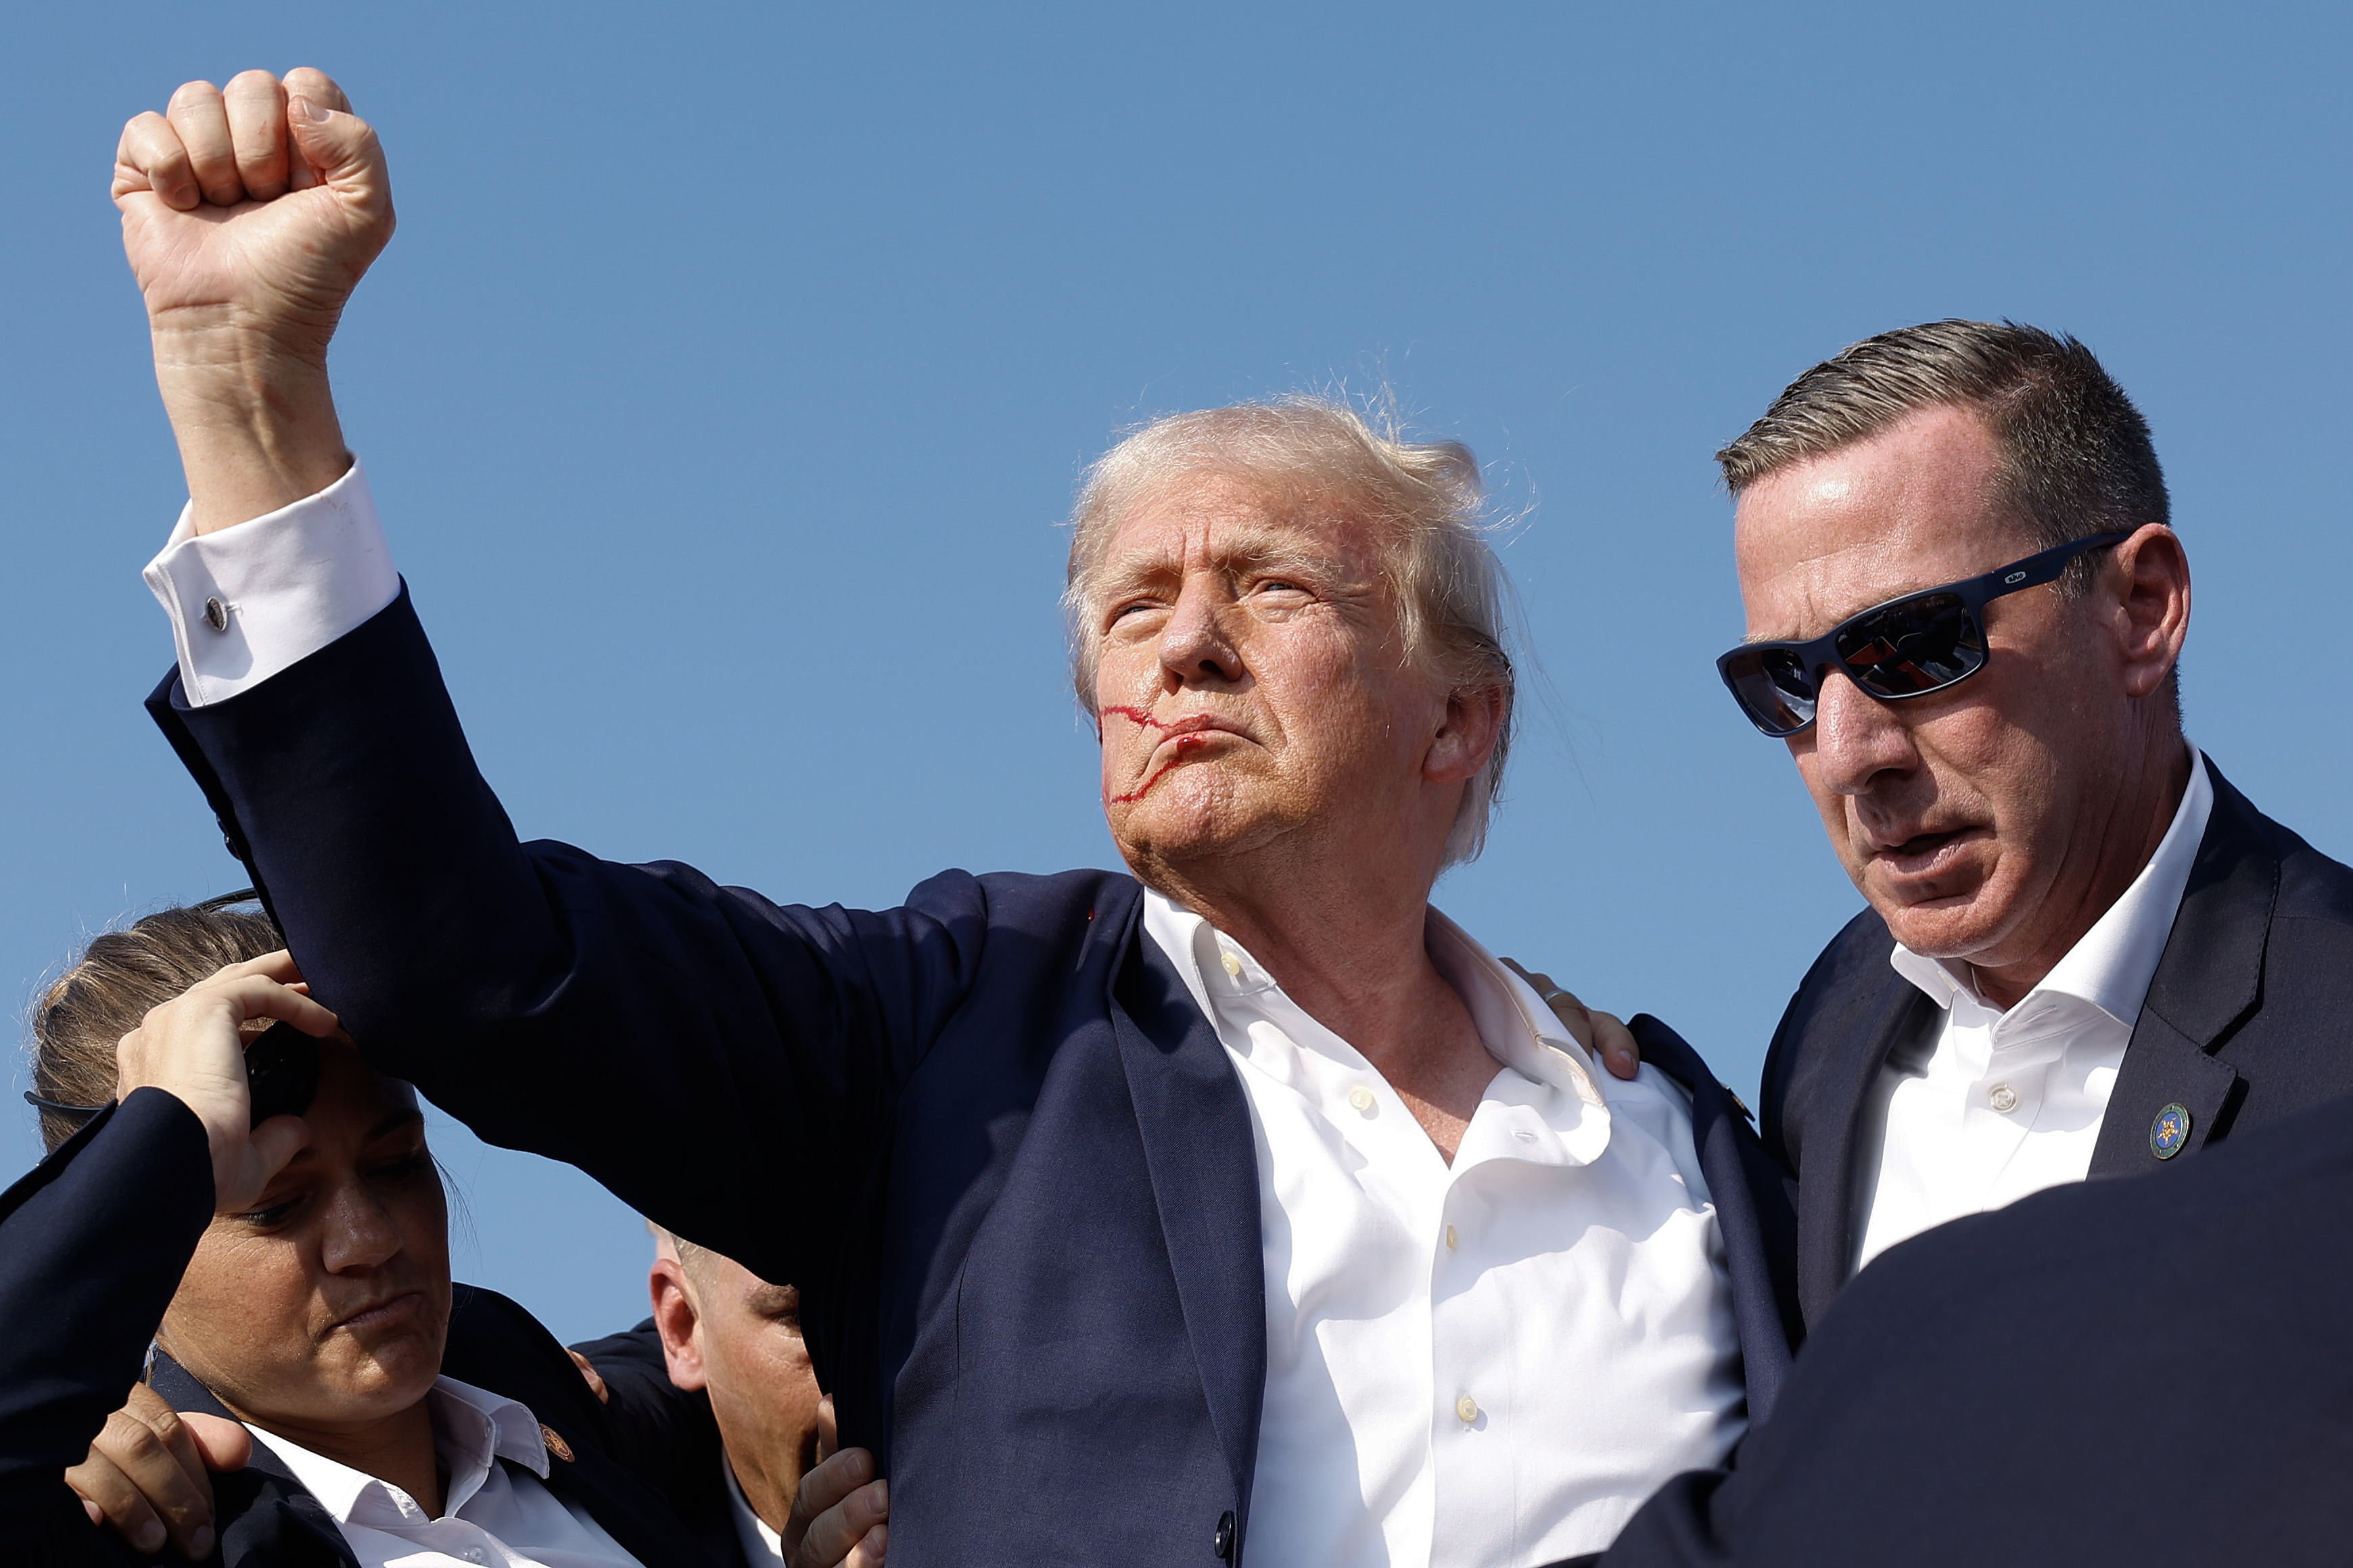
[{"x": 734, "y": 366}]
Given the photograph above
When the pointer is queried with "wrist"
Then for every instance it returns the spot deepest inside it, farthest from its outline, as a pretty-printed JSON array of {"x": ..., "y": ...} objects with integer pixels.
[{"x": 255, "y": 418}]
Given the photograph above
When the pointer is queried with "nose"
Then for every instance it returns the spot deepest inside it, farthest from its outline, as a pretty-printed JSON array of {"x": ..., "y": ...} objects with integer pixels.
[
  {"x": 1856, "y": 738},
  {"x": 359, "y": 1234},
  {"x": 1194, "y": 649}
]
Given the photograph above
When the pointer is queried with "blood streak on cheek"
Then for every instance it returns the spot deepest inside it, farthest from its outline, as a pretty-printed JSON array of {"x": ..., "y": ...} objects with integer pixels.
[{"x": 1182, "y": 744}]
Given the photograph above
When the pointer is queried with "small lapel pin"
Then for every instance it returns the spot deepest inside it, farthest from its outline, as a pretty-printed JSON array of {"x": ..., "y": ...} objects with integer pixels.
[
  {"x": 2168, "y": 1133},
  {"x": 555, "y": 1444}
]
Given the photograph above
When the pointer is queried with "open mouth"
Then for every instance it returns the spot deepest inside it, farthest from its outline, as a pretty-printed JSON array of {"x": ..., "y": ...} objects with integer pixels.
[{"x": 1924, "y": 854}]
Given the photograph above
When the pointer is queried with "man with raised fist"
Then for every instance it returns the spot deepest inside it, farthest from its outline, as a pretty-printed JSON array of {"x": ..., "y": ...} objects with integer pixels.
[{"x": 1242, "y": 1205}]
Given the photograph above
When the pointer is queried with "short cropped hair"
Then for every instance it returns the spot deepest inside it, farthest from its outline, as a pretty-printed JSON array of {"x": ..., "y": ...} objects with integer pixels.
[
  {"x": 2076, "y": 455},
  {"x": 1425, "y": 499}
]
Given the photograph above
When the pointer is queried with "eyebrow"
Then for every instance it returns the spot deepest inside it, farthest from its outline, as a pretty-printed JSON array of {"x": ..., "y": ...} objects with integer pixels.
[{"x": 1258, "y": 546}]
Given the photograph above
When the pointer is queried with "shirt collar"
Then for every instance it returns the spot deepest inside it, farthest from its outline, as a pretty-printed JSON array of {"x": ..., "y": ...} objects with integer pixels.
[
  {"x": 1513, "y": 1023},
  {"x": 761, "y": 1543},
  {"x": 471, "y": 1428},
  {"x": 2111, "y": 965}
]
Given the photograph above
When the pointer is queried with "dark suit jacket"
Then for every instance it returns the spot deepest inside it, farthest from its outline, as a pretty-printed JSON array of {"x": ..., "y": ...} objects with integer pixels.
[
  {"x": 92, "y": 1245},
  {"x": 2246, "y": 1022},
  {"x": 988, "y": 1134},
  {"x": 668, "y": 1436},
  {"x": 2109, "y": 1375}
]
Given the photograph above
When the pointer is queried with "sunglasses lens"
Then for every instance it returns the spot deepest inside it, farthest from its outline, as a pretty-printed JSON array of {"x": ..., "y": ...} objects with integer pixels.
[
  {"x": 1913, "y": 645},
  {"x": 1773, "y": 688}
]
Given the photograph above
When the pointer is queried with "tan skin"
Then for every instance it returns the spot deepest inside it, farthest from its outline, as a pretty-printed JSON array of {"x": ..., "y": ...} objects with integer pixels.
[
  {"x": 1309, "y": 825},
  {"x": 728, "y": 1332},
  {"x": 1309, "y": 819},
  {"x": 1991, "y": 824}
]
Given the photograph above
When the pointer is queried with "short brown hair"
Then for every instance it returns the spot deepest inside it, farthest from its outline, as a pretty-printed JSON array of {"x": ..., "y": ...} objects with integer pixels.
[
  {"x": 1426, "y": 498},
  {"x": 107, "y": 989},
  {"x": 2077, "y": 456}
]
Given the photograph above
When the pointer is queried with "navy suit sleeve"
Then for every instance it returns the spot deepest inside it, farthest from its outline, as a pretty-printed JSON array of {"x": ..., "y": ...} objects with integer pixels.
[
  {"x": 663, "y": 1432},
  {"x": 92, "y": 1245},
  {"x": 695, "y": 1047}
]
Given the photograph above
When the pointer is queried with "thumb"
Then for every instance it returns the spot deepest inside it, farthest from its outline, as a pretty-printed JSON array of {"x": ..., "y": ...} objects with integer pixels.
[
  {"x": 226, "y": 1445},
  {"x": 829, "y": 1437},
  {"x": 241, "y": 1171},
  {"x": 337, "y": 150}
]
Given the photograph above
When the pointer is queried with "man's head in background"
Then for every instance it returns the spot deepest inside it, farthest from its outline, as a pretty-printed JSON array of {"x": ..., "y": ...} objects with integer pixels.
[
  {"x": 727, "y": 1331},
  {"x": 1993, "y": 764}
]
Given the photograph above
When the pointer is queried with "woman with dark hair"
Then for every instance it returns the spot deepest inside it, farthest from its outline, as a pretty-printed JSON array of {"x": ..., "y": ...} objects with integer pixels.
[{"x": 232, "y": 1184}]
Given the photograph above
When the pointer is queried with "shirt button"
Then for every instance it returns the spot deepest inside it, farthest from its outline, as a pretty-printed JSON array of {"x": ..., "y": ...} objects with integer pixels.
[
  {"x": 2003, "y": 1098},
  {"x": 216, "y": 615},
  {"x": 1233, "y": 965},
  {"x": 1467, "y": 1408},
  {"x": 1362, "y": 1098},
  {"x": 1452, "y": 1240}
]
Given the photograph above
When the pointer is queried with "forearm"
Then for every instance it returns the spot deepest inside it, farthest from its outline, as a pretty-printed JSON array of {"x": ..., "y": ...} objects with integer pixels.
[
  {"x": 92, "y": 1245},
  {"x": 255, "y": 419}
]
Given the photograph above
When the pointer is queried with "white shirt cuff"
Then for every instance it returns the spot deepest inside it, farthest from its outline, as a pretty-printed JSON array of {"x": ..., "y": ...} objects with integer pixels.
[{"x": 250, "y": 600}]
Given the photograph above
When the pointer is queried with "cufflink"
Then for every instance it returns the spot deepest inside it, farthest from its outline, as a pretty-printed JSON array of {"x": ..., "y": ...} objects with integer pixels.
[{"x": 216, "y": 615}]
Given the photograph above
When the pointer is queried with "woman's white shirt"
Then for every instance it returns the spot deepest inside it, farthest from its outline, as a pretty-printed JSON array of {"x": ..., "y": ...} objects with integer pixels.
[{"x": 495, "y": 1518}]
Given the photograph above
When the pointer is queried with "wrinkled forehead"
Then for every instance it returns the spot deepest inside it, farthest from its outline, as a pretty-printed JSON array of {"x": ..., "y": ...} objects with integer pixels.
[
  {"x": 1223, "y": 520},
  {"x": 1921, "y": 505}
]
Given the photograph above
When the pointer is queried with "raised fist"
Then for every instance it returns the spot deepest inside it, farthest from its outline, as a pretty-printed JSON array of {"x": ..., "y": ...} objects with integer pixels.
[{"x": 252, "y": 212}]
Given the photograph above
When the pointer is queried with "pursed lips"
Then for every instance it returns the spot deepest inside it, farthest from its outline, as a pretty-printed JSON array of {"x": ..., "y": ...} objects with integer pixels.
[{"x": 380, "y": 1313}]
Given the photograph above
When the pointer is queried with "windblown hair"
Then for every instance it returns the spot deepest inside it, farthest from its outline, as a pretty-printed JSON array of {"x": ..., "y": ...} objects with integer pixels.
[
  {"x": 110, "y": 985},
  {"x": 1425, "y": 499},
  {"x": 2077, "y": 453}
]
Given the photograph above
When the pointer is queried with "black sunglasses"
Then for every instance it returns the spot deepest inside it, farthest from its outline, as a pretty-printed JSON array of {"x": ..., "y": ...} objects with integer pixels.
[{"x": 1909, "y": 647}]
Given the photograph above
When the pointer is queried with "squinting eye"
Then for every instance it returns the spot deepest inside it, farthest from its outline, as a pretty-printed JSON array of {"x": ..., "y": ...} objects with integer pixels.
[{"x": 270, "y": 1215}]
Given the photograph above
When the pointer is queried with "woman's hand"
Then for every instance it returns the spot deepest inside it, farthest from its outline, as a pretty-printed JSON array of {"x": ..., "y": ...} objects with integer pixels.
[
  {"x": 1597, "y": 1031},
  {"x": 193, "y": 1047}
]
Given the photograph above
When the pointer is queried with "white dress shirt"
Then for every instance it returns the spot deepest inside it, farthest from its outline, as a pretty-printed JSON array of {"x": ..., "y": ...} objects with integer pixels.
[
  {"x": 1995, "y": 1105},
  {"x": 1491, "y": 1363},
  {"x": 493, "y": 1517},
  {"x": 762, "y": 1544}
]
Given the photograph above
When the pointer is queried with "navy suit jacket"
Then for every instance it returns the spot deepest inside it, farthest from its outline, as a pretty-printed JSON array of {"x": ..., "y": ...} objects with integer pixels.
[
  {"x": 92, "y": 1245},
  {"x": 988, "y": 1134},
  {"x": 2108, "y": 1375},
  {"x": 2245, "y": 1022}
]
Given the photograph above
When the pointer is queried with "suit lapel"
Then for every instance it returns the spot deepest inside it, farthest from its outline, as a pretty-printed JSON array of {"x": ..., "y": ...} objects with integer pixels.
[
  {"x": 1752, "y": 1213},
  {"x": 1883, "y": 1016},
  {"x": 265, "y": 1516},
  {"x": 1203, "y": 1159},
  {"x": 2210, "y": 978}
]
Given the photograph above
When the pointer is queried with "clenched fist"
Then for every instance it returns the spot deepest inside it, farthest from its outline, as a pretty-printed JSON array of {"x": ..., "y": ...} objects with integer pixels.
[{"x": 250, "y": 215}]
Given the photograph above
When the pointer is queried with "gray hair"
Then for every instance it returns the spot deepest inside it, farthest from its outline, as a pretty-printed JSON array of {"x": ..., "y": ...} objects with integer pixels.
[
  {"x": 1425, "y": 497},
  {"x": 2076, "y": 455}
]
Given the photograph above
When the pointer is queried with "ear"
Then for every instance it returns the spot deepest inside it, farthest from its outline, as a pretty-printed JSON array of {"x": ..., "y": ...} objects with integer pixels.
[
  {"x": 1467, "y": 734},
  {"x": 2150, "y": 577},
  {"x": 678, "y": 1322}
]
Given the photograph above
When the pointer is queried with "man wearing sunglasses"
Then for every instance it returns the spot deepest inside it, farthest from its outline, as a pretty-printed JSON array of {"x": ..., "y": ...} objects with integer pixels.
[{"x": 2086, "y": 954}]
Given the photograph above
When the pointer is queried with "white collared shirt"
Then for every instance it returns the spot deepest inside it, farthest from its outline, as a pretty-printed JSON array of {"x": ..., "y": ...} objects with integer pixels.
[
  {"x": 762, "y": 1543},
  {"x": 1996, "y": 1104},
  {"x": 492, "y": 1517},
  {"x": 1491, "y": 1362}
]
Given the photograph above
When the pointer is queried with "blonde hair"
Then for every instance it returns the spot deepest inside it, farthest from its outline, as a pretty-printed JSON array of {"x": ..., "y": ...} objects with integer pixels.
[
  {"x": 1425, "y": 499},
  {"x": 111, "y": 984}
]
